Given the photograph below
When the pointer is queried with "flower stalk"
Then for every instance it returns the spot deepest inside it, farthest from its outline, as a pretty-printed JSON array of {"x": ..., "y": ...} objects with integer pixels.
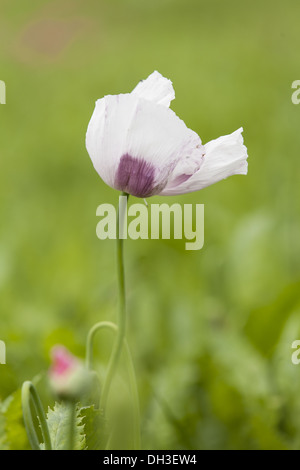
[
  {"x": 71, "y": 431},
  {"x": 117, "y": 348},
  {"x": 120, "y": 332}
]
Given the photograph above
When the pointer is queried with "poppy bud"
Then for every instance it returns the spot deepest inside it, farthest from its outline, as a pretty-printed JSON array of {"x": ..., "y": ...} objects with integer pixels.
[{"x": 69, "y": 379}]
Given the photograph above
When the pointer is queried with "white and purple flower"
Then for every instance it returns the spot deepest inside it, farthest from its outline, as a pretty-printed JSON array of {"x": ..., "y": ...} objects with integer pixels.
[{"x": 138, "y": 145}]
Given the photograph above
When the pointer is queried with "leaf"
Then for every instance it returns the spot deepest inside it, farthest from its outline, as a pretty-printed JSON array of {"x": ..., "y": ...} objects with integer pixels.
[
  {"x": 12, "y": 430},
  {"x": 94, "y": 428},
  {"x": 58, "y": 421}
]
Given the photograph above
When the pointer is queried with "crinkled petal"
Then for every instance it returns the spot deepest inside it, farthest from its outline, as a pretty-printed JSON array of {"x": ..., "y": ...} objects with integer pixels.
[
  {"x": 140, "y": 143},
  {"x": 107, "y": 133},
  {"x": 225, "y": 156},
  {"x": 155, "y": 88}
]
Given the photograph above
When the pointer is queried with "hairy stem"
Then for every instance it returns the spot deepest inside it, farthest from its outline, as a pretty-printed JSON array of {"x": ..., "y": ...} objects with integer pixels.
[{"x": 71, "y": 436}]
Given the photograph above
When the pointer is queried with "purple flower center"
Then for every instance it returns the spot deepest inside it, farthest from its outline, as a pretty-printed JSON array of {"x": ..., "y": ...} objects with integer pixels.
[{"x": 135, "y": 176}]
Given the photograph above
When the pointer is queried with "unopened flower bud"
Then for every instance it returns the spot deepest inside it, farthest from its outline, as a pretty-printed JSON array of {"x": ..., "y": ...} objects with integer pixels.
[{"x": 69, "y": 379}]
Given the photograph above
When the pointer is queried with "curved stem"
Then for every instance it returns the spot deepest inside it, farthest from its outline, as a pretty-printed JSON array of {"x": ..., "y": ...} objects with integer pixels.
[
  {"x": 115, "y": 355},
  {"x": 130, "y": 369},
  {"x": 90, "y": 340},
  {"x": 30, "y": 395}
]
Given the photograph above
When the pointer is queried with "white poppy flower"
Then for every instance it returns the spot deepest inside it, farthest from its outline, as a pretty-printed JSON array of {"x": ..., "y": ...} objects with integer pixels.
[{"x": 138, "y": 145}]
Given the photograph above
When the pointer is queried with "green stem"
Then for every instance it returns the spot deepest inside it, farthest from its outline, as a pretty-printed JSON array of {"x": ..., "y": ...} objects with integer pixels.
[
  {"x": 30, "y": 396},
  {"x": 117, "y": 348},
  {"x": 135, "y": 398},
  {"x": 72, "y": 406},
  {"x": 90, "y": 340},
  {"x": 130, "y": 369}
]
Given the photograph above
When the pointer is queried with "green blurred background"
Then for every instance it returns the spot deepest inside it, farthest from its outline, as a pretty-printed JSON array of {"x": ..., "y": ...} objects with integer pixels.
[{"x": 210, "y": 330}]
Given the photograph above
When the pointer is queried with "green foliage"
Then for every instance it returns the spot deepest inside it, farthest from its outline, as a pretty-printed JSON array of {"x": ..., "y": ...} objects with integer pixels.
[
  {"x": 12, "y": 431},
  {"x": 210, "y": 331},
  {"x": 58, "y": 420},
  {"x": 90, "y": 429},
  {"x": 94, "y": 428}
]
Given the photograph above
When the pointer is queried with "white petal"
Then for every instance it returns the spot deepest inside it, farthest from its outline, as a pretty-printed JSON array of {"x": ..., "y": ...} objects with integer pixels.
[
  {"x": 95, "y": 131},
  {"x": 160, "y": 138},
  {"x": 107, "y": 133},
  {"x": 156, "y": 88},
  {"x": 225, "y": 156},
  {"x": 150, "y": 137}
]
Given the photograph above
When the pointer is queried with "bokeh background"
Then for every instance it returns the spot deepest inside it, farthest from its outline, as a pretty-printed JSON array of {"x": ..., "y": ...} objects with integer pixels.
[{"x": 210, "y": 330}]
